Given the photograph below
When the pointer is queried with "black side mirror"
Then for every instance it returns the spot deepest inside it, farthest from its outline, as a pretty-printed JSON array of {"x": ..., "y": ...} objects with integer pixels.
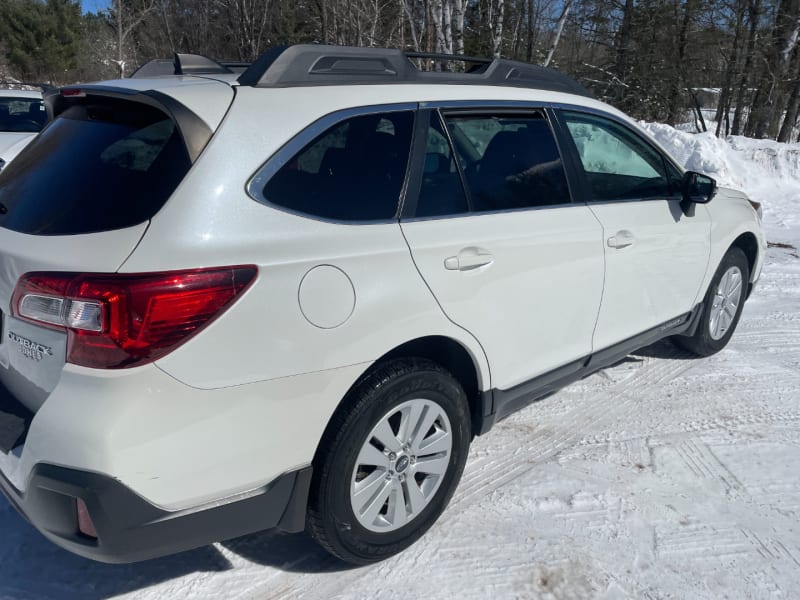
[{"x": 697, "y": 188}]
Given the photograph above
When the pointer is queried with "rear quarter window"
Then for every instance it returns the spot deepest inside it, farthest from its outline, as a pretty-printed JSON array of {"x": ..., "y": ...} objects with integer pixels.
[{"x": 353, "y": 171}]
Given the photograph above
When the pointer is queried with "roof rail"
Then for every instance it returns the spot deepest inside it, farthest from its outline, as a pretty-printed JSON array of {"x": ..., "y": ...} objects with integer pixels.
[
  {"x": 313, "y": 65},
  {"x": 184, "y": 64}
]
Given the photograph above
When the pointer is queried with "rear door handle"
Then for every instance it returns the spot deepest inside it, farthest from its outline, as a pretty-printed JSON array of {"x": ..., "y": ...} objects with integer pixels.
[
  {"x": 468, "y": 259},
  {"x": 622, "y": 239}
]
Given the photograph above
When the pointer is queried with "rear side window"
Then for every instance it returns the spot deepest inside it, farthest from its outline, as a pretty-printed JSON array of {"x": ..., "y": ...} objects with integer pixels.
[
  {"x": 441, "y": 192},
  {"x": 97, "y": 167},
  {"x": 509, "y": 161},
  {"x": 354, "y": 171}
]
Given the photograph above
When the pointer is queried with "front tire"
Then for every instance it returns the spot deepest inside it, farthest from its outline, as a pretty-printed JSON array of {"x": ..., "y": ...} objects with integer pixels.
[
  {"x": 722, "y": 306},
  {"x": 389, "y": 461}
]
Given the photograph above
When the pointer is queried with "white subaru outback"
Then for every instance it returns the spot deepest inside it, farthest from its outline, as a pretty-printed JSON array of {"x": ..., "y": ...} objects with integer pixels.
[{"x": 289, "y": 298}]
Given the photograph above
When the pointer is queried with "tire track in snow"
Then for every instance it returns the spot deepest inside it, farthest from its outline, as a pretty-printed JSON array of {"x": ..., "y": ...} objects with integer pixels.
[
  {"x": 589, "y": 414},
  {"x": 498, "y": 468}
]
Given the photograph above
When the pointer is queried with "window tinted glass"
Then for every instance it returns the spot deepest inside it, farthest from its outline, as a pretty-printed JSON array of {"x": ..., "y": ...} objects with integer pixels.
[
  {"x": 352, "y": 172},
  {"x": 618, "y": 163},
  {"x": 24, "y": 115},
  {"x": 97, "y": 167},
  {"x": 509, "y": 161},
  {"x": 441, "y": 192}
]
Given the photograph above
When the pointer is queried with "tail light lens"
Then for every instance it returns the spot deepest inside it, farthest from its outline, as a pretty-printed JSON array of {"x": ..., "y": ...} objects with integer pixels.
[{"x": 116, "y": 321}]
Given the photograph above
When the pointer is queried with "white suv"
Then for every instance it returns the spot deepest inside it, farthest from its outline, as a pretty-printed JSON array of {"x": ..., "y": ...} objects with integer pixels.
[{"x": 291, "y": 298}]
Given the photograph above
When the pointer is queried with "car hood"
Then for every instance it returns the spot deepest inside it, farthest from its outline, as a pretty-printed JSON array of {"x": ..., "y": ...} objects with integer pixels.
[
  {"x": 731, "y": 193},
  {"x": 12, "y": 143}
]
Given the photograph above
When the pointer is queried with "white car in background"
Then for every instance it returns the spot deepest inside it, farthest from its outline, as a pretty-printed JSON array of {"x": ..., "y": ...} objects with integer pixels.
[
  {"x": 291, "y": 297},
  {"x": 22, "y": 117}
]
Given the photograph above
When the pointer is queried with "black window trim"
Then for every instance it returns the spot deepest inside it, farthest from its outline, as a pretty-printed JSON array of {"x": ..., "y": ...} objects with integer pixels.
[
  {"x": 478, "y": 107},
  {"x": 581, "y": 181},
  {"x": 255, "y": 185}
]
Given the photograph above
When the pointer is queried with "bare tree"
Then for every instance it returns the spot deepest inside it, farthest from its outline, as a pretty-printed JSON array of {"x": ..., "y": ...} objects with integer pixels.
[
  {"x": 559, "y": 28},
  {"x": 124, "y": 19},
  {"x": 785, "y": 32}
]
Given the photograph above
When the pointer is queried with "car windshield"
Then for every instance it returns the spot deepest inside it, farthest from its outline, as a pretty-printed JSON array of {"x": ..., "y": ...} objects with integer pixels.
[{"x": 21, "y": 115}]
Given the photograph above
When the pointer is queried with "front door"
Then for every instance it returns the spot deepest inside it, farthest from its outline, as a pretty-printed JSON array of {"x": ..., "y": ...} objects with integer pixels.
[{"x": 656, "y": 254}]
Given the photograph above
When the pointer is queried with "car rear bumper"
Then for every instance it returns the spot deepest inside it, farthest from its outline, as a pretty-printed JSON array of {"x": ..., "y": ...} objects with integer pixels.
[{"x": 130, "y": 529}]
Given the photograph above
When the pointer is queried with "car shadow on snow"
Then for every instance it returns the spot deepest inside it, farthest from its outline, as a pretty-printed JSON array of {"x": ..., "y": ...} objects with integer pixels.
[
  {"x": 31, "y": 567},
  {"x": 295, "y": 552}
]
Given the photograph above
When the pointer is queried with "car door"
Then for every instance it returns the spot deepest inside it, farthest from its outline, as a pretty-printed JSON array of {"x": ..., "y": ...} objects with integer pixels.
[
  {"x": 656, "y": 253},
  {"x": 494, "y": 234}
]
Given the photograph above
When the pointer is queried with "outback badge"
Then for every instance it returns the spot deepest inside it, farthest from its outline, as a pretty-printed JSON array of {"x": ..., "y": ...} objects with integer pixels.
[{"x": 30, "y": 349}]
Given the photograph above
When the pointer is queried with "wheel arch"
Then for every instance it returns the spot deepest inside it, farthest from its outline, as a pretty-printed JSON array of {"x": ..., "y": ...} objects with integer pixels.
[
  {"x": 447, "y": 352},
  {"x": 454, "y": 357},
  {"x": 748, "y": 244}
]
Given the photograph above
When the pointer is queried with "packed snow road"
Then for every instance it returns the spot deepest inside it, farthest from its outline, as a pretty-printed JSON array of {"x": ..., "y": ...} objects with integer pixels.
[{"x": 662, "y": 477}]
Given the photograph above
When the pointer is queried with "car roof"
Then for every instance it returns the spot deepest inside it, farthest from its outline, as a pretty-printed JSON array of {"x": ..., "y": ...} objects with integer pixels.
[
  {"x": 9, "y": 93},
  {"x": 316, "y": 65},
  {"x": 313, "y": 65}
]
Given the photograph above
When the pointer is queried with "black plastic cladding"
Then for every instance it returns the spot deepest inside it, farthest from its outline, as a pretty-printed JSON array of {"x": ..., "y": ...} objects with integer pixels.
[{"x": 313, "y": 65}]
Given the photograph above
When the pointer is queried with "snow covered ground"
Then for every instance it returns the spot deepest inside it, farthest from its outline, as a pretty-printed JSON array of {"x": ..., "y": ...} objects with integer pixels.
[{"x": 662, "y": 477}]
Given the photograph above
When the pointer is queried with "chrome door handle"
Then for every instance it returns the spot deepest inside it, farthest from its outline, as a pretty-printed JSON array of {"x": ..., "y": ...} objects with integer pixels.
[
  {"x": 468, "y": 259},
  {"x": 622, "y": 239}
]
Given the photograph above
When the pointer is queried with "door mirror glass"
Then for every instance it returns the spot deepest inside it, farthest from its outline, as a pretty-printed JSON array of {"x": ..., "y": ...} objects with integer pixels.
[{"x": 698, "y": 188}]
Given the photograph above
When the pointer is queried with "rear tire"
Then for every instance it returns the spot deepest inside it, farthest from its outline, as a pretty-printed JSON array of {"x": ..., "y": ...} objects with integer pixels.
[
  {"x": 722, "y": 306},
  {"x": 389, "y": 461}
]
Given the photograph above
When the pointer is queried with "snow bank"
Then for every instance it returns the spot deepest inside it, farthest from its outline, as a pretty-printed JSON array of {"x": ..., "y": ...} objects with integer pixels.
[{"x": 767, "y": 171}]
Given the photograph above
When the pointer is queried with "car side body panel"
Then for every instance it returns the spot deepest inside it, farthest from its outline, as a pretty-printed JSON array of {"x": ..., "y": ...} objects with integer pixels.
[
  {"x": 656, "y": 277},
  {"x": 732, "y": 216},
  {"x": 212, "y": 221},
  {"x": 545, "y": 262}
]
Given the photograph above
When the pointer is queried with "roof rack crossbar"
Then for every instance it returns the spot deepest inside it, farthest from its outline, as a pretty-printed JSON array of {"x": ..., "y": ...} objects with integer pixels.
[
  {"x": 184, "y": 64},
  {"x": 317, "y": 65}
]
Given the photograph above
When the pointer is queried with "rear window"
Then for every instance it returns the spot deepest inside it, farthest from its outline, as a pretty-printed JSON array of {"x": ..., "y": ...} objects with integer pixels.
[
  {"x": 22, "y": 115},
  {"x": 97, "y": 167}
]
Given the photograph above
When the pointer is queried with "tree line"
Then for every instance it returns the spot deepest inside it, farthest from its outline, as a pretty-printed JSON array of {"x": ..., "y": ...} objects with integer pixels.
[{"x": 660, "y": 60}]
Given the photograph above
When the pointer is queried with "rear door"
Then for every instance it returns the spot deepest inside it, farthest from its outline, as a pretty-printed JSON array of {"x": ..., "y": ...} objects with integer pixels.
[
  {"x": 656, "y": 254},
  {"x": 78, "y": 198},
  {"x": 496, "y": 237}
]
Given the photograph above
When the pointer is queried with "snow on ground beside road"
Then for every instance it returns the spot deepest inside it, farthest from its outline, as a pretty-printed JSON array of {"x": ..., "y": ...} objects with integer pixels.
[{"x": 661, "y": 477}]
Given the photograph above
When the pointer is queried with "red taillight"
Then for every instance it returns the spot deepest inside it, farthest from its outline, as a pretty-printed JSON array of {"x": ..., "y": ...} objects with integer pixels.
[
  {"x": 116, "y": 321},
  {"x": 73, "y": 93}
]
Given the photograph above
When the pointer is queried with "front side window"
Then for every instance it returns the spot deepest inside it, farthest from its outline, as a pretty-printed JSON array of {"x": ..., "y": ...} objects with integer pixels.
[
  {"x": 509, "y": 161},
  {"x": 354, "y": 171},
  {"x": 617, "y": 162}
]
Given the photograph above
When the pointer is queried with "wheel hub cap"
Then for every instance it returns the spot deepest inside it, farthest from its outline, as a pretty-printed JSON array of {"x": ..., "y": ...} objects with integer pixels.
[
  {"x": 401, "y": 465},
  {"x": 725, "y": 303}
]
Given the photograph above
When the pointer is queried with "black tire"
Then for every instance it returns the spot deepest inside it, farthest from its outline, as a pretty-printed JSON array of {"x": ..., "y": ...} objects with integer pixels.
[
  {"x": 702, "y": 343},
  {"x": 331, "y": 519}
]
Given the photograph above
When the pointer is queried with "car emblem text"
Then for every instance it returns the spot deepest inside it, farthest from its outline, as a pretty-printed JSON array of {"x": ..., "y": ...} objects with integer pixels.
[{"x": 30, "y": 349}]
